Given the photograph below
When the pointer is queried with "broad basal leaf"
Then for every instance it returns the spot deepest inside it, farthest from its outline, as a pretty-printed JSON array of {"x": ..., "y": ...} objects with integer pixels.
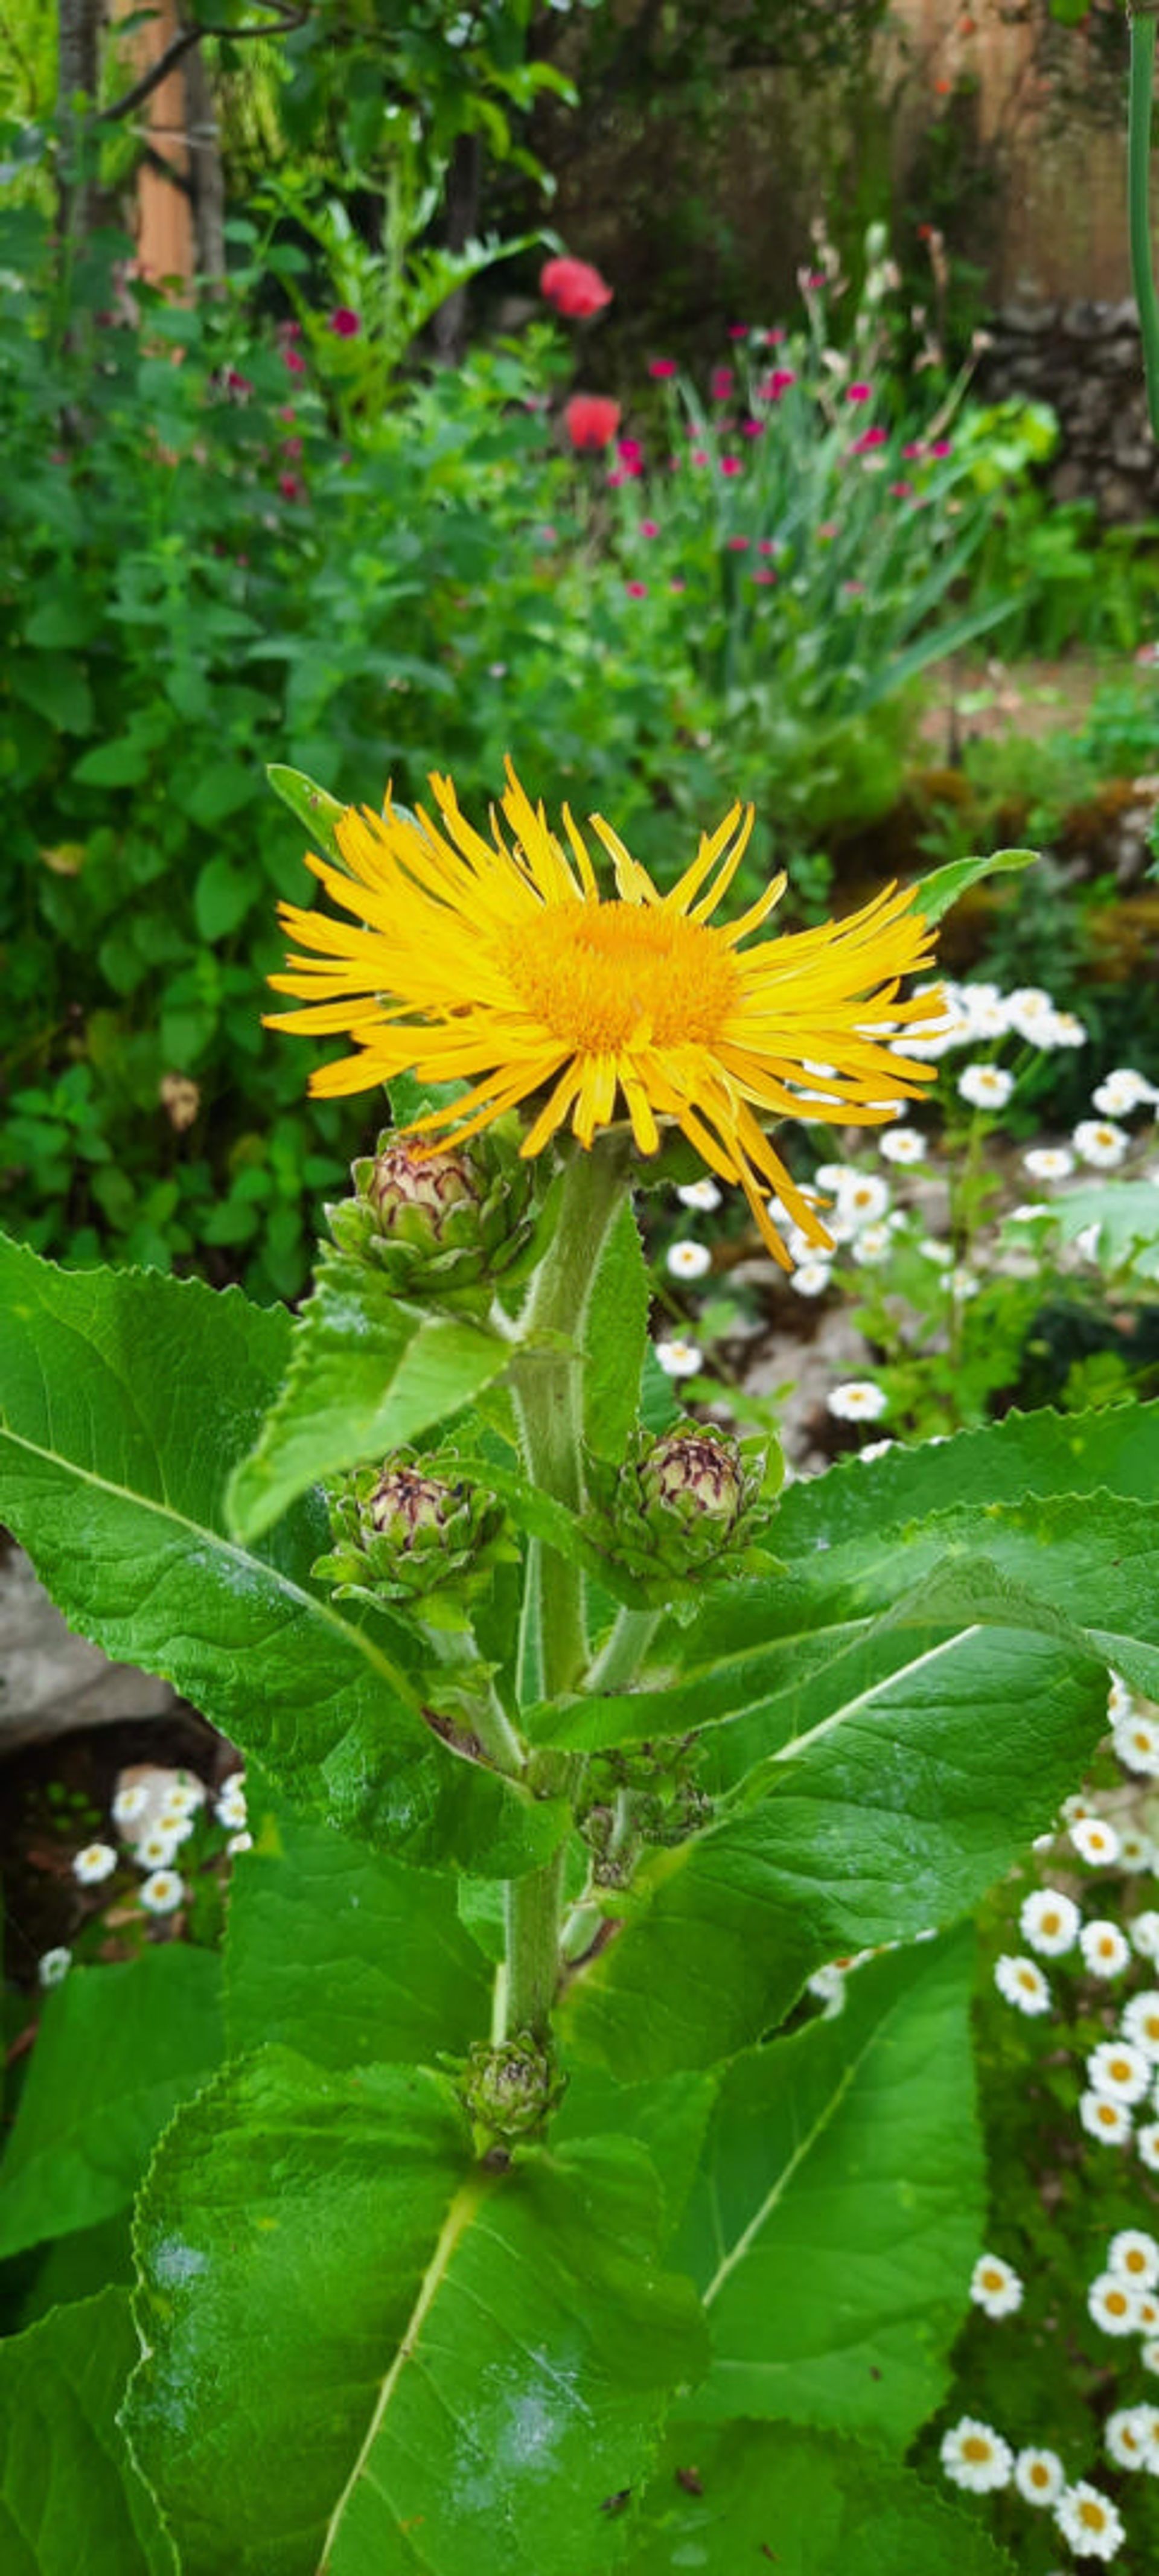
[
  {"x": 734, "y": 2496},
  {"x": 70, "y": 2497},
  {"x": 367, "y": 1373},
  {"x": 343, "y": 1953},
  {"x": 125, "y": 1400},
  {"x": 839, "y": 2207},
  {"x": 117, "y": 2050},
  {"x": 370, "y": 2355}
]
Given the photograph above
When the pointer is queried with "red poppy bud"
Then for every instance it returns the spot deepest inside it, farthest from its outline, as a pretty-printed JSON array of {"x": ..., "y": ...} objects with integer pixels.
[
  {"x": 575, "y": 289},
  {"x": 591, "y": 420}
]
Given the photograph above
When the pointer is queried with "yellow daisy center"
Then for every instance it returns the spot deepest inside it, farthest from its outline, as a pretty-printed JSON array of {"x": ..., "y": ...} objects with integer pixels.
[
  {"x": 606, "y": 976},
  {"x": 975, "y": 2447}
]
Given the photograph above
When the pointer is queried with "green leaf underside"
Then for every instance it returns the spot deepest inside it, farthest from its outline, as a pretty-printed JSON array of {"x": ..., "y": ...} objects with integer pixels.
[
  {"x": 313, "y": 806},
  {"x": 125, "y": 1399},
  {"x": 118, "y": 2049},
  {"x": 893, "y": 1813},
  {"x": 70, "y": 2498},
  {"x": 936, "y": 894},
  {"x": 804, "y": 2503},
  {"x": 344, "y": 1954},
  {"x": 367, "y": 1373},
  {"x": 1126, "y": 1214},
  {"x": 367, "y": 2353},
  {"x": 839, "y": 2206},
  {"x": 615, "y": 1339}
]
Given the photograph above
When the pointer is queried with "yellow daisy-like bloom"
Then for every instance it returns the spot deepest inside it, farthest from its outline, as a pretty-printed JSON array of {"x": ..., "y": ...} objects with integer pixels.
[{"x": 467, "y": 960}]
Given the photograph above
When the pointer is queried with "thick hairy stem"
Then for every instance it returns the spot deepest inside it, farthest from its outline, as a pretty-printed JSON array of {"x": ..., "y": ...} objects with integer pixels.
[{"x": 547, "y": 1386}]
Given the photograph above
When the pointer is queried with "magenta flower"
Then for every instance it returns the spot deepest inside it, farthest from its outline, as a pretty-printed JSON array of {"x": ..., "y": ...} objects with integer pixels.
[
  {"x": 900, "y": 491},
  {"x": 869, "y": 439},
  {"x": 346, "y": 324},
  {"x": 295, "y": 362},
  {"x": 764, "y": 577},
  {"x": 915, "y": 448},
  {"x": 738, "y": 330},
  {"x": 777, "y": 384},
  {"x": 751, "y": 428},
  {"x": 649, "y": 527},
  {"x": 768, "y": 546},
  {"x": 858, "y": 393},
  {"x": 699, "y": 456},
  {"x": 731, "y": 465},
  {"x": 827, "y": 528},
  {"x": 739, "y": 545},
  {"x": 661, "y": 366},
  {"x": 677, "y": 585},
  {"x": 774, "y": 338},
  {"x": 636, "y": 589},
  {"x": 720, "y": 383},
  {"x": 941, "y": 447}
]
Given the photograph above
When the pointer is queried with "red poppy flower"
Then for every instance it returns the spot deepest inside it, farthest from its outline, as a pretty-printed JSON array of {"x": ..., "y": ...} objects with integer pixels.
[
  {"x": 575, "y": 289},
  {"x": 591, "y": 420}
]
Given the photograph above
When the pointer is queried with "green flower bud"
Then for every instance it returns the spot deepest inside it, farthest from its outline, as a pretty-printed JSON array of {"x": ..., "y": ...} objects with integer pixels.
[
  {"x": 682, "y": 1509},
  {"x": 411, "y": 1531},
  {"x": 438, "y": 1223},
  {"x": 510, "y": 2089}
]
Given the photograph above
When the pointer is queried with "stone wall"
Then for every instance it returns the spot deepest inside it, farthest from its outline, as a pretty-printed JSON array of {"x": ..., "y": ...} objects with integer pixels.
[{"x": 1085, "y": 360}]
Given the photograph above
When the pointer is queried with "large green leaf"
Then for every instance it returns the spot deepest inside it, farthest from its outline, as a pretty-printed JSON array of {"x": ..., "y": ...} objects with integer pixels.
[
  {"x": 840, "y": 2206},
  {"x": 118, "y": 2049},
  {"x": 734, "y": 2496},
  {"x": 70, "y": 2497},
  {"x": 367, "y": 1373},
  {"x": 367, "y": 2353},
  {"x": 909, "y": 1772},
  {"x": 934, "y": 895},
  {"x": 343, "y": 1953},
  {"x": 125, "y": 1400}
]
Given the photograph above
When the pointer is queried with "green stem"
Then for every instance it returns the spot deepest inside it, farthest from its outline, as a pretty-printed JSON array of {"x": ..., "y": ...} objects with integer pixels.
[
  {"x": 623, "y": 1650},
  {"x": 1142, "y": 24},
  {"x": 547, "y": 1389}
]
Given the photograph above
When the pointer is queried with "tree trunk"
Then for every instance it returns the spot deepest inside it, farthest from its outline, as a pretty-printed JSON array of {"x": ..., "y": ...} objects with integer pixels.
[
  {"x": 464, "y": 183},
  {"x": 205, "y": 168},
  {"x": 80, "y": 62}
]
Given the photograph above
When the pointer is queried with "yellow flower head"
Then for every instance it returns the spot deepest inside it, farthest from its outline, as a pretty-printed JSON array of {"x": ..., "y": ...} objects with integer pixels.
[{"x": 505, "y": 967}]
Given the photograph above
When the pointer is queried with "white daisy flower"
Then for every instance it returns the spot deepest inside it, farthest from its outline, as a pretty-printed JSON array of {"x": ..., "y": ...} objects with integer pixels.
[
  {"x": 1039, "y": 2476},
  {"x": 1147, "y": 2142},
  {"x": 984, "y": 1011},
  {"x": 857, "y": 1400},
  {"x": 1105, "y": 1952},
  {"x": 129, "y": 1804},
  {"x": 162, "y": 1893},
  {"x": 810, "y": 1278},
  {"x": 1121, "y": 1091},
  {"x": 95, "y": 1862},
  {"x": 239, "y": 1843},
  {"x": 872, "y": 1243},
  {"x": 985, "y": 1086},
  {"x": 1148, "y": 2312},
  {"x": 941, "y": 1254},
  {"x": 688, "y": 1260},
  {"x": 1113, "y": 2303},
  {"x": 995, "y": 2286},
  {"x": 1029, "y": 1211},
  {"x": 962, "y": 1283},
  {"x": 699, "y": 1194},
  {"x": 1136, "y": 1741},
  {"x": 230, "y": 1808},
  {"x": 184, "y": 1796},
  {"x": 678, "y": 1358},
  {"x": 1094, "y": 1840},
  {"x": 902, "y": 1145},
  {"x": 1127, "y": 2436},
  {"x": 831, "y": 1177},
  {"x": 974, "y": 2456},
  {"x": 862, "y": 1196},
  {"x": 1020, "y": 1983},
  {"x": 1067, "y": 1030},
  {"x": 1109, "y": 2122},
  {"x": 1049, "y": 1922},
  {"x": 1089, "y": 2522},
  {"x": 155, "y": 1849},
  {"x": 1086, "y": 1241},
  {"x": 1048, "y": 1162},
  {"x": 1135, "y": 2255},
  {"x": 1116, "y": 2067},
  {"x": 52, "y": 1966},
  {"x": 1099, "y": 1141},
  {"x": 1149, "y": 2354},
  {"x": 875, "y": 1449},
  {"x": 1140, "y": 2023},
  {"x": 1029, "y": 1011},
  {"x": 1145, "y": 1934},
  {"x": 1136, "y": 1851},
  {"x": 1120, "y": 1702}
]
